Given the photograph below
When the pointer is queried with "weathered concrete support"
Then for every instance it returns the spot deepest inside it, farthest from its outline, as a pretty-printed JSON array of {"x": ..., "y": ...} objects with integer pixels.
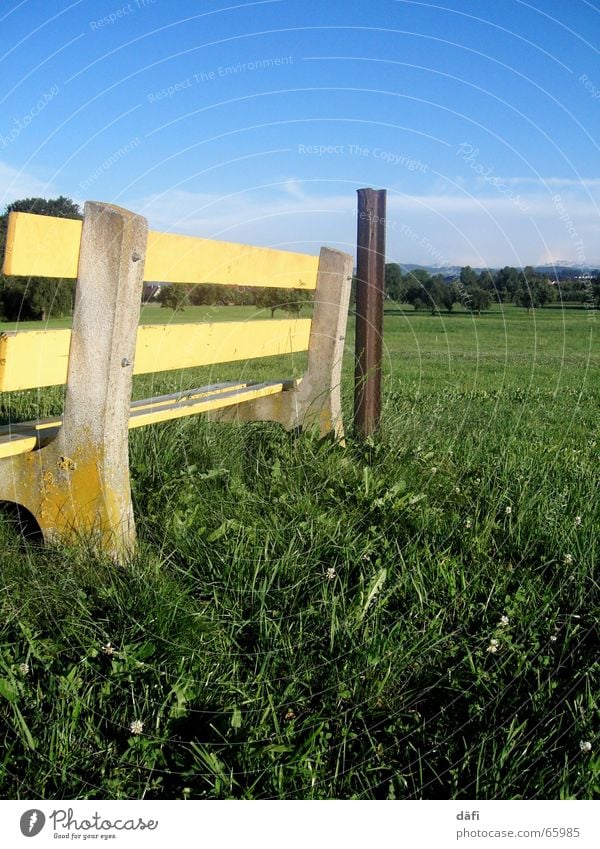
[
  {"x": 316, "y": 401},
  {"x": 78, "y": 486}
]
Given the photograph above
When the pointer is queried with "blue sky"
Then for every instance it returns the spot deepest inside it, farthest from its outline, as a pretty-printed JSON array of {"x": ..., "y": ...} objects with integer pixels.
[{"x": 257, "y": 121}]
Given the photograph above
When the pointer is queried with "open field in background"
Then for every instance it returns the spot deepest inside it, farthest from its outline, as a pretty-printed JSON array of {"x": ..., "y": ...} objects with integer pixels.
[{"x": 308, "y": 621}]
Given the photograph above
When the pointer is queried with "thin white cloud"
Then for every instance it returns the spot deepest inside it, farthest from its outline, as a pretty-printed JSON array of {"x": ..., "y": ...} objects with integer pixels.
[
  {"x": 19, "y": 184},
  {"x": 587, "y": 183},
  {"x": 437, "y": 229}
]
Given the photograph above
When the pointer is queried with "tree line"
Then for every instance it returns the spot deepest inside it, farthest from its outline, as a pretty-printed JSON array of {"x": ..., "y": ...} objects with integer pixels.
[
  {"x": 478, "y": 291},
  {"x": 178, "y": 296}
]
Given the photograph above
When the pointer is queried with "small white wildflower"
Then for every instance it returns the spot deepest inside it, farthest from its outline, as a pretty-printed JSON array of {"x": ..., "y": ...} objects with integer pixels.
[
  {"x": 457, "y": 490},
  {"x": 136, "y": 727},
  {"x": 568, "y": 559},
  {"x": 330, "y": 573},
  {"x": 108, "y": 649},
  {"x": 468, "y": 523},
  {"x": 508, "y": 510},
  {"x": 24, "y": 668},
  {"x": 553, "y": 638},
  {"x": 433, "y": 470},
  {"x": 585, "y": 746},
  {"x": 493, "y": 646},
  {"x": 577, "y": 521},
  {"x": 504, "y": 620},
  {"x": 477, "y": 480}
]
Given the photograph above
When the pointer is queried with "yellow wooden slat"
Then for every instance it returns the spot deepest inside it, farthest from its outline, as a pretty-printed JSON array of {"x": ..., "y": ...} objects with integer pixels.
[
  {"x": 35, "y": 358},
  {"x": 42, "y": 246},
  {"x": 39, "y": 245},
  {"x": 163, "y": 347},
  {"x": 187, "y": 259},
  {"x": 25, "y": 436},
  {"x": 16, "y": 443}
]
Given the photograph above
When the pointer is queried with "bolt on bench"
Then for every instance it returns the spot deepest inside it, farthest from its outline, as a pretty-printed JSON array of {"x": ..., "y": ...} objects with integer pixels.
[{"x": 72, "y": 474}]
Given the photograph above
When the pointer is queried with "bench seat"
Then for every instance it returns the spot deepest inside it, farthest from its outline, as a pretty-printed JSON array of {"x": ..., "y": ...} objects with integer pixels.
[{"x": 28, "y": 436}]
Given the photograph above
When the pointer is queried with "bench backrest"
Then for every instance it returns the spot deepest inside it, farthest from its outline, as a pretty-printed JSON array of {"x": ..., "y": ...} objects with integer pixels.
[{"x": 50, "y": 247}]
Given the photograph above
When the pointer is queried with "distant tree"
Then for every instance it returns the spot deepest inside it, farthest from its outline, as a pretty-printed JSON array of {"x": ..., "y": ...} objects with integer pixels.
[
  {"x": 60, "y": 207},
  {"x": 506, "y": 283},
  {"x": 480, "y": 299},
  {"x": 290, "y": 300},
  {"x": 533, "y": 290},
  {"x": 174, "y": 297},
  {"x": 424, "y": 291},
  {"x": 487, "y": 280},
  {"x": 415, "y": 287},
  {"x": 204, "y": 294},
  {"x": 441, "y": 295},
  {"x": 26, "y": 298},
  {"x": 395, "y": 285},
  {"x": 468, "y": 277}
]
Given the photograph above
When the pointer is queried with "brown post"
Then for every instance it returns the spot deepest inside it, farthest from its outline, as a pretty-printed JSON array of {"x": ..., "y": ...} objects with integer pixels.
[{"x": 370, "y": 278}]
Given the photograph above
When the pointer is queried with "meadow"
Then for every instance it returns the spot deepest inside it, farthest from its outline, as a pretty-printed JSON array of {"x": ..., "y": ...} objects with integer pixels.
[{"x": 410, "y": 617}]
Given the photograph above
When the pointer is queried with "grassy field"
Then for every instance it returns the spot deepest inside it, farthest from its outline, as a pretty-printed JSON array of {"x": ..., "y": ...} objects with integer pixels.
[{"x": 415, "y": 617}]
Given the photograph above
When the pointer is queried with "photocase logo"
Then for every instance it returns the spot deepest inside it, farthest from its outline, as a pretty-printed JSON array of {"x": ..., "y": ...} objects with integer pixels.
[{"x": 32, "y": 822}]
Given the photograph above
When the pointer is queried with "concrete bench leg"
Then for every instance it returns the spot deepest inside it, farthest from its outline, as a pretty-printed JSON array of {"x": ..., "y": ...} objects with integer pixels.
[
  {"x": 316, "y": 402},
  {"x": 77, "y": 488}
]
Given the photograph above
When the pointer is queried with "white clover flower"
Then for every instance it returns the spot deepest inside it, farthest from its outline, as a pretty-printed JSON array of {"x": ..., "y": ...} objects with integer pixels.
[
  {"x": 330, "y": 573},
  {"x": 577, "y": 521},
  {"x": 493, "y": 646},
  {"x": 477, "y": 480},
  {"x": 568, "y": 559},
  {"x": 24, "y": 668},
  {"x": 108, "y": 649},
  {"x": 553, "y": 638},
  {"x": 433, "y": 470},
  {"x": 504, "y": 620},
  {"x": 136, "y": 727},
  {"x": 468, "y": 523},
  {"x": 508, "y": 510},
  {"x": 585, "y": 746}
]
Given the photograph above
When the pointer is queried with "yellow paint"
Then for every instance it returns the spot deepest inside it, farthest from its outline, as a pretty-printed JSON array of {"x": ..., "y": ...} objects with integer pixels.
[
  {"x": 187, "y": 259},
  {"x": 163, "y": 347},
  {"x": 16, "y": 443},
  {"x": 75, "y": 503},
  {"x": 35, "y": 358},
  {"x": 39, "y": 245},
  {"x": 42, "y": 246},
  {"x": 23, "y": 437}
]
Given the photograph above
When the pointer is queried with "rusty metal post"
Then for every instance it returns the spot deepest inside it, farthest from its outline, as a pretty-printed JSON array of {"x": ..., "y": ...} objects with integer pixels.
[{"x": 370, "y": 278}]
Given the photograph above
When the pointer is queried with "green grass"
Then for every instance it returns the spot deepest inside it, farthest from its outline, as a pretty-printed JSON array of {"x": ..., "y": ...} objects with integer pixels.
[{"x": 307, "y": 621}]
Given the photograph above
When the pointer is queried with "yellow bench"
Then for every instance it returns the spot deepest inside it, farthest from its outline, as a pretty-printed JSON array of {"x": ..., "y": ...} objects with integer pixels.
[{"x": 72, "y": 473}]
